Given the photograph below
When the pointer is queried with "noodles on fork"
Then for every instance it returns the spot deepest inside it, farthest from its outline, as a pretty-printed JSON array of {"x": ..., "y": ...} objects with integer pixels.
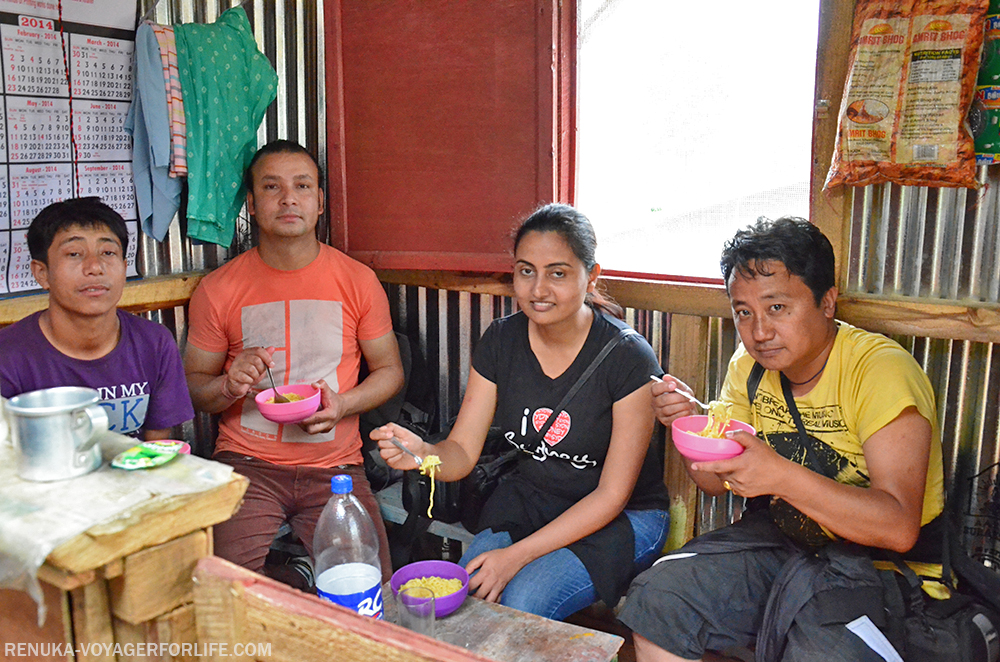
[
  {"x": 719, "y": 414},
  {"x": 429, "y": 468}
]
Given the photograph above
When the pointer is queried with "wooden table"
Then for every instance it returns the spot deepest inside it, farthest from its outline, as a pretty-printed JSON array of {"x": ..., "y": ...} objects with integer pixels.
[
  {"x": 508, "y": 635},
  {"x": 124, "y": 581},
  {"x": 237, "y": 610}
]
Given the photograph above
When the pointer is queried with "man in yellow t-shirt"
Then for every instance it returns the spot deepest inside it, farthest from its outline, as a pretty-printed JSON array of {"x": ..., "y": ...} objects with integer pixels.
[{"x": 867, "y": 470}]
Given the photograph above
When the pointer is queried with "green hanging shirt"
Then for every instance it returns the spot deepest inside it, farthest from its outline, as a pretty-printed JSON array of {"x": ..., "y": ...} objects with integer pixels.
[{"x": 227, "y": 84}]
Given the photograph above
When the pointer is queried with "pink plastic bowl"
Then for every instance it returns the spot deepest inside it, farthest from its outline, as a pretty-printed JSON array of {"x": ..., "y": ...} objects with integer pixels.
[
  {"x": 445, "y": 570},
  {"x": 289, "y": 412},
  {"x": 703, "y": 449}
]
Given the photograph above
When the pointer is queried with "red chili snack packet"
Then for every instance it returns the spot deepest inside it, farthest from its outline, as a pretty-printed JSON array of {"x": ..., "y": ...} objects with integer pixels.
[{"x": 911, "y": 79}]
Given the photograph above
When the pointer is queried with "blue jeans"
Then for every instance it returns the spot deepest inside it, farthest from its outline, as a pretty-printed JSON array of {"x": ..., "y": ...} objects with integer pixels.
[{"x": 557, "y": 584}]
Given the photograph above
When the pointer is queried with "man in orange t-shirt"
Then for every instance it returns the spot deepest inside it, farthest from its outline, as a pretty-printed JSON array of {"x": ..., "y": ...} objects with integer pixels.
[{"x": 310, "y": 313}]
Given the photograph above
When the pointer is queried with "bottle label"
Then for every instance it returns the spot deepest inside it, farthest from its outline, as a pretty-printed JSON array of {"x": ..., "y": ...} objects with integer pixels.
[{"x": 357, "y": 586}]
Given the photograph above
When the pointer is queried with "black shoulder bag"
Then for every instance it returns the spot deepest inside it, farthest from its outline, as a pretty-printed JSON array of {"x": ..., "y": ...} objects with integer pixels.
[
  {"x": 463, "y": 500},
  {"x": 962, "y": 627}
]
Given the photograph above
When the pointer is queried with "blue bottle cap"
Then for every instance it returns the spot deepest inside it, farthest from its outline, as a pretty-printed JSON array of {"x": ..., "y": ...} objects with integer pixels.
[{"x": 341, "y": 484}]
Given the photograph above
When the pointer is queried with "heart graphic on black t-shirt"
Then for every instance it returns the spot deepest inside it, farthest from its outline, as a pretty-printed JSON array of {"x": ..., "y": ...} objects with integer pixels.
[{"x": 558, "y": 430}]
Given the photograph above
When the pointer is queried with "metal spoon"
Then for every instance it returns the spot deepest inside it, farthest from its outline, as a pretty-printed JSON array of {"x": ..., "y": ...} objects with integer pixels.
[
  {"x": 398, "y": 444},
  {"x": 278, "y": 398},
  {"x": 682, "y": 392}
]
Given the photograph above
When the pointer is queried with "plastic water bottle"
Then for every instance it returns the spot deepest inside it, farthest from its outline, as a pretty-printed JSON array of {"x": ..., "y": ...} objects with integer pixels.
[{"x": 345, "y": 545}]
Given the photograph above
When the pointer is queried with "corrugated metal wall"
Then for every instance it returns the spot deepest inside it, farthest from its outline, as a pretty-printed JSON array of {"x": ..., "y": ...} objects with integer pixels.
[
  {"x": 906, "y": 242},
  {"x": 289, "y": 33}
]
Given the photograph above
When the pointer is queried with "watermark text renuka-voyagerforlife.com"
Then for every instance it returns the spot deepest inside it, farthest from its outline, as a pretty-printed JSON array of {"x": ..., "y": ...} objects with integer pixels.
[{"x": 211, "y": 649}]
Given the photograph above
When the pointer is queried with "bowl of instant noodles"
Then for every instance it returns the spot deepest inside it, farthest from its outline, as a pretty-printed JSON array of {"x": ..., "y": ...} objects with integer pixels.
[
  {"x": 449, "y": 581},
  {"x": 304, "y": 403},
  {"x": 688, "y": 433}
]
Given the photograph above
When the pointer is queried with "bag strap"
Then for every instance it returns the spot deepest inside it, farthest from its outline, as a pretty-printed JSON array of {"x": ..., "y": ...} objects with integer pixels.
[
  {"x": 603, "y": 354},
  {"x": 914, "y": 598},
  {"x": 753, "y": 381},
  {"x": 808, "y": 443}
]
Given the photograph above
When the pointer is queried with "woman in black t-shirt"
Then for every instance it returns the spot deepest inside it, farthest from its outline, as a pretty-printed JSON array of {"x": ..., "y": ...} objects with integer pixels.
[{"x": 586, "y": 508}]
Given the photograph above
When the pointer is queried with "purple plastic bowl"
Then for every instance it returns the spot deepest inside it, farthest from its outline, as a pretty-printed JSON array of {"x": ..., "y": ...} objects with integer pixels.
[
  {"x": 289, "y": 412},
  {"x": 705, "y": 449},
  {"x": 443, "y": 569}
]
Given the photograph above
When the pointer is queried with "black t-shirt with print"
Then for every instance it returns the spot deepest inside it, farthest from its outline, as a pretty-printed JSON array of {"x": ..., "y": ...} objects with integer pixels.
[
  {"x": 554, "y": 473},
  {"x": 568, "y": 462}
]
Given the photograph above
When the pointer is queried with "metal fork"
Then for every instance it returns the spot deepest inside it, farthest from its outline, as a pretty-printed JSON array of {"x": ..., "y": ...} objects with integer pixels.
[
  {"x": 398, "y": 444},
  {"x": 682, "y": 392}
]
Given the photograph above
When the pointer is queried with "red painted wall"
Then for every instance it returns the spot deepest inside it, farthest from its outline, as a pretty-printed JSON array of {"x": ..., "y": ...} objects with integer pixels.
[{"x": 447, "y": 127}]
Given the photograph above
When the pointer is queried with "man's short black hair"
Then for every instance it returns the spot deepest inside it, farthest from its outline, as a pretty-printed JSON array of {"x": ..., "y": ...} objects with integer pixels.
[
  {"x": 795, "y": 242},
  {"x": 279, "y": 146},
  {"x": 85, "y": 212}
]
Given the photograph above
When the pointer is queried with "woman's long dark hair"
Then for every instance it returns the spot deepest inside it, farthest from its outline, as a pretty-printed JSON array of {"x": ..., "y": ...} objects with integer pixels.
[{"x": 578, "y": 233}]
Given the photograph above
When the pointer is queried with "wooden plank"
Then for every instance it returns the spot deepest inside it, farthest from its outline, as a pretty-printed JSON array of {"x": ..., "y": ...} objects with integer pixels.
[
  {"x": 978, "y": 322},
  {"x": 685, "y": 298},
  {"x": 179, "y": 627},
  {"x": 497, "y": 284},
  {"x": 139, "y": 296},
  {"x": 158, "y": 579},
  {"x": 134, "y": 640},
  {"x": 689, "y": 363},
  {"x": 475, "y": 120},
  {"x": 680, "y": 298},
  {"x": 235, "y": 606},
  {"x": 114, "y": 569},
  {"x": 169, "y": 638},
  {"x": 220, "y": 608},
  {"x": 336, "y": 121},
  {"x": 154, "y": 522},
  {"x": 93, "y": 631},
  {"x": 64, "y": 580},
  {"x": 831, "y": 210}
]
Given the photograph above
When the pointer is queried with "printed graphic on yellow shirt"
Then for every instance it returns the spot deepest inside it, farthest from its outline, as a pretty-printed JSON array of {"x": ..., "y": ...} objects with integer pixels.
[{"x": 777, "y": 428}]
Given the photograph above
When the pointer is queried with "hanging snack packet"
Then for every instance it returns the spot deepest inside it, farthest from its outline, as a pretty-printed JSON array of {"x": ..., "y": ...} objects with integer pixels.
[
  {"x": 911, "y": 79},
  {"x": 984, "y": 116},
  {"x": 150, "y": 454}
]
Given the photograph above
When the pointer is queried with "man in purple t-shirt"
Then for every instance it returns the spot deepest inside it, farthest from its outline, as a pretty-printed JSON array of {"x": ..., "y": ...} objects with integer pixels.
[{"x": 77, "y": 251}]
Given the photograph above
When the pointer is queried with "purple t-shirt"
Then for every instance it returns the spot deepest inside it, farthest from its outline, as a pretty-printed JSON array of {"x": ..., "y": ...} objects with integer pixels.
[{"x": 141, "y": 381}]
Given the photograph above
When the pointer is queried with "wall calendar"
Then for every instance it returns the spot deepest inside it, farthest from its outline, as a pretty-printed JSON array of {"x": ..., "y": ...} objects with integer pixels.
[{"x": 67, "y": 87}]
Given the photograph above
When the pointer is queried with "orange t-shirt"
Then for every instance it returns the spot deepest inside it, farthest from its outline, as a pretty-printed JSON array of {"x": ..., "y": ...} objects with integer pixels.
[{"x": 314, "y": 317}]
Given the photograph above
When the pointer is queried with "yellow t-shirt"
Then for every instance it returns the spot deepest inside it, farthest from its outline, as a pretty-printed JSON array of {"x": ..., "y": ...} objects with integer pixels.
[{"x": 868, "y": 381}]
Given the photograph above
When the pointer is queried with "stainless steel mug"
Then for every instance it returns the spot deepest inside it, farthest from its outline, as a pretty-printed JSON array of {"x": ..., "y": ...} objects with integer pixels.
[{"x": 55, "y": 432}]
